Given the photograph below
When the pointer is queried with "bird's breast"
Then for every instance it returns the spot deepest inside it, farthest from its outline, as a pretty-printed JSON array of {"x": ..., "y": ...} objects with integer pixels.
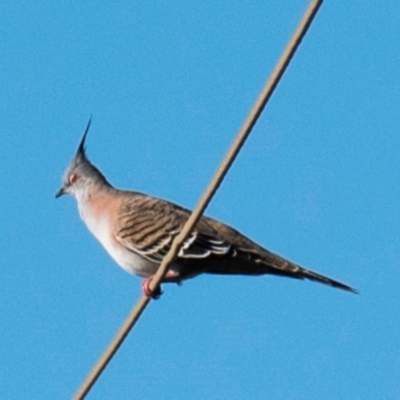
[{"x": 99, "y": 221}]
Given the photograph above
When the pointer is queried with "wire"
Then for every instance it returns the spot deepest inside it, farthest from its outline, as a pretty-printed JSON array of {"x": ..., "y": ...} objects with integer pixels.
[{"x": 207, "y": 196}]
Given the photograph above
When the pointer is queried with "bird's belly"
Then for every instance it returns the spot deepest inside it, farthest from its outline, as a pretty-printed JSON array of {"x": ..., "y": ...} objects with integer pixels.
[
  {"x": 132, "y": 262},
  {"x": 125, "y": 258}
]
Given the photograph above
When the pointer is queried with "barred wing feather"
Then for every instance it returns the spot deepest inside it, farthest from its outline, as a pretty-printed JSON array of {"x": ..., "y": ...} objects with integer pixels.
[{"x": 148, "y": 226}]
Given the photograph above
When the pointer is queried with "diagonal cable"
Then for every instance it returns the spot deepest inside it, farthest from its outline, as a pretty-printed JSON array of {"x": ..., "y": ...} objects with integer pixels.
[{"x": 207, "y": 196}]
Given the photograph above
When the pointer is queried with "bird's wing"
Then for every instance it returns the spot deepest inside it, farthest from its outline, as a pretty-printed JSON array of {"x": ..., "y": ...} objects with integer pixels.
[{"x": 148, "y": 226}]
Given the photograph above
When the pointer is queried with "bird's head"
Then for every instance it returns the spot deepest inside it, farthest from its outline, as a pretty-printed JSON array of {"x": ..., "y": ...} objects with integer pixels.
[{"x": 80, "y": 173}]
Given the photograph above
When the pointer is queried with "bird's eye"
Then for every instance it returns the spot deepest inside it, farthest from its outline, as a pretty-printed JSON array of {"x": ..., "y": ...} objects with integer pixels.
[{"x": 73, "y": 178}]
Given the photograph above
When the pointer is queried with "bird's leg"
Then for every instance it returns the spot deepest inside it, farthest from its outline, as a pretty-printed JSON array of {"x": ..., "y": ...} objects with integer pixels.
[{"x": 155, "y": 294}]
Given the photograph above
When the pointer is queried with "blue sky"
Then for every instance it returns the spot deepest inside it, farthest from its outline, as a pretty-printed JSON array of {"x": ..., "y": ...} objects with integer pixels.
[{"x": 169, "y": 84}]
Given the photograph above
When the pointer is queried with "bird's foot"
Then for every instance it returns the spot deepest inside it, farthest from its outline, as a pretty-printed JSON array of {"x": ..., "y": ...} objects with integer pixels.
[
  {"x": 170, "y": 276},
  {"x": 153, "y": 294}
]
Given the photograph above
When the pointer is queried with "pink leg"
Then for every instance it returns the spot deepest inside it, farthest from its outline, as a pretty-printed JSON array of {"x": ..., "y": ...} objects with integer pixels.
[{"x": 169, "y": 277}]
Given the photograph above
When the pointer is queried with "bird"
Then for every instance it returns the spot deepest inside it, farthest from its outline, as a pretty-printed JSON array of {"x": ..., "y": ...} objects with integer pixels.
[{"x": 137, "y": 231}]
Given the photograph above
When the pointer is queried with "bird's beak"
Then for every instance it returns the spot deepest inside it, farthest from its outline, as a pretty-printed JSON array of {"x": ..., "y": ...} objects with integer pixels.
[{"x": 60, "y": 193}]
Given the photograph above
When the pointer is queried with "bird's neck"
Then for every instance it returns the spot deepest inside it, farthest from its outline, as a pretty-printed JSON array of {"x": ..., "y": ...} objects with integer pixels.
[{"x": 91, "y": 197}]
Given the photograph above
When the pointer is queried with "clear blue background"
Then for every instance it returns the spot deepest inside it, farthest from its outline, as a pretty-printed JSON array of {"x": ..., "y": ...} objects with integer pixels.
[{"x": 169, "y": 84}]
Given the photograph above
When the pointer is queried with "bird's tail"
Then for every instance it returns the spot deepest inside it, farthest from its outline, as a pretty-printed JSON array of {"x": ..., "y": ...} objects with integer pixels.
[
  {"x": 276, "y": 265},
  {"x": 265, "y": 262},
  {"x": 313, "y": 276},
  {"x": 248, "y": 258}
]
